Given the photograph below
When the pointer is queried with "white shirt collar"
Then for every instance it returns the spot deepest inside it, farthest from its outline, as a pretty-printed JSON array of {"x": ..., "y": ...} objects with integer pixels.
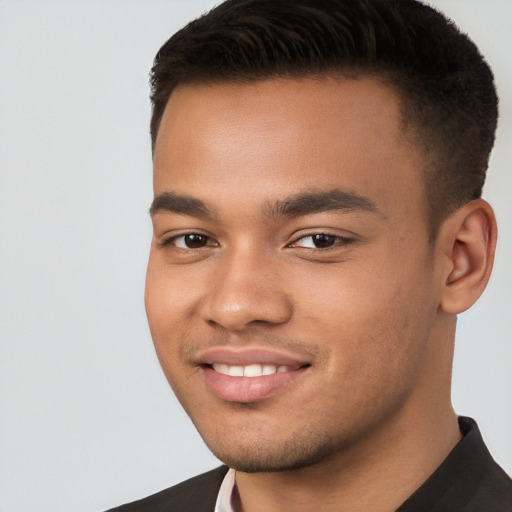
[{"x": 224, "y": 498}]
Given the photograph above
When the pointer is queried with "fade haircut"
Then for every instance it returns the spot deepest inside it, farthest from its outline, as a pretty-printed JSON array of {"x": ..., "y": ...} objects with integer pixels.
[{"x": 445, "y": 88}]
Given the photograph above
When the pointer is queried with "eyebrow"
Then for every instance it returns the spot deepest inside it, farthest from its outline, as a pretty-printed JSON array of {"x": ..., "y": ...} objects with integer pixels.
[
  {"x": 296, "y": 205},
  {"x": 320, "y": 201},
  {"x": 181, "y": 204}
]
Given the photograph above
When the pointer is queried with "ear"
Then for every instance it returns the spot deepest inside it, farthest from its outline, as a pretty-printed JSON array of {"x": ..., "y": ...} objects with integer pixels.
[{"x": 468, "y": 239}]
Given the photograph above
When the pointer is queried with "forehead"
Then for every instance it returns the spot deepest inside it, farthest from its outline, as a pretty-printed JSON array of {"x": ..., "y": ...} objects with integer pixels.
[
  {"x": 271, "y": 137},
  {"x": 320, "y": 105}
]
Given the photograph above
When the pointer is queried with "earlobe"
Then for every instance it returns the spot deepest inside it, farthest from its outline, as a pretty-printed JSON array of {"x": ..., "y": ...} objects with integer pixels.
[{"x": 469, "y": 240}]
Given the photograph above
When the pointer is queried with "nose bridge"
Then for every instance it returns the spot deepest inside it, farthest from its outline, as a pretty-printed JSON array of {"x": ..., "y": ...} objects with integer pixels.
[{"x": 246, "y": 288}]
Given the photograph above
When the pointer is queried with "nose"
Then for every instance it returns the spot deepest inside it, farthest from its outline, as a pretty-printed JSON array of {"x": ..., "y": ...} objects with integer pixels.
[{"x": 246, "y": 290}]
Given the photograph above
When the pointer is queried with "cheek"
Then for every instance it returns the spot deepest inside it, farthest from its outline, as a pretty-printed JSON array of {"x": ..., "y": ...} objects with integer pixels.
[
  {"x": 163, "y": 302},
  {"x": 373, "y": 323},
  {"x": 168, "y": 295},
  {"x": 172, "y": 297},
  {"x": 162, "y": 305}
]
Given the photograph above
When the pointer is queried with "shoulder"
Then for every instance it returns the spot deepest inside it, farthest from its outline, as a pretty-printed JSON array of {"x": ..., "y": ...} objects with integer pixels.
[
  {"x": 487, "y": 486},
  {"x": 469, "y": 480},
  {"x": 197, "y": 494}
]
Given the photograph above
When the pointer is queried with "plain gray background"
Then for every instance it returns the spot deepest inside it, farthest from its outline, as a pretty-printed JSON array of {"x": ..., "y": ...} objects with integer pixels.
[{"x": 87, "y": 419}]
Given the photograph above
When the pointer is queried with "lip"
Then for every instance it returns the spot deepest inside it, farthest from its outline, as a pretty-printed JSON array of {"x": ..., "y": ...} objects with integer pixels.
[{"x": 250, "y": 389}]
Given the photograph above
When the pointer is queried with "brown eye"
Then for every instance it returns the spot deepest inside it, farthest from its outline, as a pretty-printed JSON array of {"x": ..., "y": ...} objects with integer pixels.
[
  {"x": 317, "y": 241},
  {"x": 322, "y": 240},
  {"x": 188, "y": 241},
  {"x": 194, "y": 241}
]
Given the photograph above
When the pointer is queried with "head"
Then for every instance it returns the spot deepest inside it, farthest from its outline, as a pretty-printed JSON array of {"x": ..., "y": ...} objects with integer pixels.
[{"x": 317, "y": 168}]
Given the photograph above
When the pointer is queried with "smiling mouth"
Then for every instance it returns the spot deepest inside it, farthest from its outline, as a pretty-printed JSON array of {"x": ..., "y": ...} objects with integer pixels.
[
  {"x": 251, "y": 373},
  {"x": 251, "y": 382}
]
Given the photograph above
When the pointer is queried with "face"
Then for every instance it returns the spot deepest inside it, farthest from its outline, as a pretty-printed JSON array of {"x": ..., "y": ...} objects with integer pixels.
[{"x": 291, "y": 288}]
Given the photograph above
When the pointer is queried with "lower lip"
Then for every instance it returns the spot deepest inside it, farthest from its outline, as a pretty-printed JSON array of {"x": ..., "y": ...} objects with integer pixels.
[{"x": 248, "y": 389}]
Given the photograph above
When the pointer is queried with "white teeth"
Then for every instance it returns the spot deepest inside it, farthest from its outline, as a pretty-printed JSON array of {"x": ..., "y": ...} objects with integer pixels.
[
  {"x": 251, "y": 370},
  {"x": 236, "y": 371},
  {"x": 269, "y": 369},
  {"x": 221, "y": 368}
]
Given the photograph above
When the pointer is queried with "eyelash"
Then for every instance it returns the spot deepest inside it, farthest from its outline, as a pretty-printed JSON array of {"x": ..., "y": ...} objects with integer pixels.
[{"x": 339, "y": 241}]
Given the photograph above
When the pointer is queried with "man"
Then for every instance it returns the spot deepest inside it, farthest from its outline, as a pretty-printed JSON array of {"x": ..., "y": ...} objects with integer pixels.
[{"x": 318, "y": 226}]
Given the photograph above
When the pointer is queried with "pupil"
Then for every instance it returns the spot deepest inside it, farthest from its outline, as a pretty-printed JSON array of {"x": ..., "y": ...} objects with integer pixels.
[
  {"x": 322, "y": 240},
  {"x": 195, "y": 241}
]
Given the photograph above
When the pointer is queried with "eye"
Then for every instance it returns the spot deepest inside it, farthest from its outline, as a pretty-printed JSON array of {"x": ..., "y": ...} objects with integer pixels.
[
  {"x": 189, "y": 241},
  {"x": 321, "y": 241}
]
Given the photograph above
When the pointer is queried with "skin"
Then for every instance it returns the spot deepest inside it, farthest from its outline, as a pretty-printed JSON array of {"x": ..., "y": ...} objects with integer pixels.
[{"x": 372, "y": 312}]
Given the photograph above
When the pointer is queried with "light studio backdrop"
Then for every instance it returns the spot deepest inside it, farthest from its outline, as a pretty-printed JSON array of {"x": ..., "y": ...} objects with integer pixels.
[{"x": 87, "y": 418}]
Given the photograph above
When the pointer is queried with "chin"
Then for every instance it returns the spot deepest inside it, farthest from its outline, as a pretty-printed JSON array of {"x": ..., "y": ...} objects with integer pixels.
[{"x": 272, "y": 455}]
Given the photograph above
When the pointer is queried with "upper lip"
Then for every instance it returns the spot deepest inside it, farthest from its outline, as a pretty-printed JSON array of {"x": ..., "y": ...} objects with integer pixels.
[{"x": 244, "y": 356}]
